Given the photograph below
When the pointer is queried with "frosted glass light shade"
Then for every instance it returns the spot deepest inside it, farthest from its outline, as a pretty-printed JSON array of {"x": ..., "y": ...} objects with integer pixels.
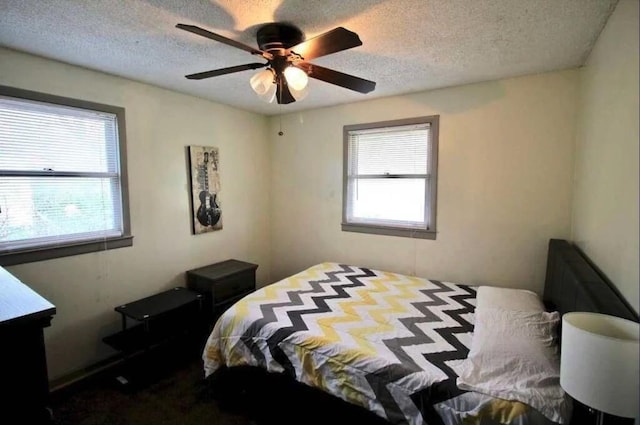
[
  {"x": 599, "y": 362},
  {"x": 263, "y": 84},
  {"x": 296, "y": 79},
  {"x": 299, "y": 94}
]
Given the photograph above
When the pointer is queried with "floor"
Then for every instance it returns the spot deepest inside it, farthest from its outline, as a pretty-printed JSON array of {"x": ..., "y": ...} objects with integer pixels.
[{"x": 165, "y": 389}]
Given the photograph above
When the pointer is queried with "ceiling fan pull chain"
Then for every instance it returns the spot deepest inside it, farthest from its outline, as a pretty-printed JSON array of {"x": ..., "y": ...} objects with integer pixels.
[{"x": 280, "y": 133}]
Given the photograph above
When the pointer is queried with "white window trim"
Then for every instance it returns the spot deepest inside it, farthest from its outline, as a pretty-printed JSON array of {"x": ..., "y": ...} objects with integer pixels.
[
  {"x": 430, "y": 187},
  {"x": 29, "y": 254}
]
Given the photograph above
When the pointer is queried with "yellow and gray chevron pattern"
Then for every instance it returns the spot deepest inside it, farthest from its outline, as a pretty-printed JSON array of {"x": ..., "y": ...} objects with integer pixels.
[{"x": 384, "y": 341}]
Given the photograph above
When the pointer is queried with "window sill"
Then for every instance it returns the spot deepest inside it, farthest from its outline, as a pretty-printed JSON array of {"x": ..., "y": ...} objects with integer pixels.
[
  {"x": 389, "y": 231},
  {"x": 29, "y": 255}
]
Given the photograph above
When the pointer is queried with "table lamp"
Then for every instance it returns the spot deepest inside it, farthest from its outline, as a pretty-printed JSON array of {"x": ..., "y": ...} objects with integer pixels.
[{"x": 599, "y": 362}]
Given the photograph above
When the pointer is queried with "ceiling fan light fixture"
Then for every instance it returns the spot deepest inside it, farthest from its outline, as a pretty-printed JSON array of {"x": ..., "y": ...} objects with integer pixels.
[
  {"x": 264, "y": 85},
  {"x": 297, "y": 79},
  {"x": 299, "y": 94}
]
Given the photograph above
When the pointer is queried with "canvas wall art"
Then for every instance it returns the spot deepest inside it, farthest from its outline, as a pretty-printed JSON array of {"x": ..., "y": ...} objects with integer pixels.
[{"x": 206, "y": 209}]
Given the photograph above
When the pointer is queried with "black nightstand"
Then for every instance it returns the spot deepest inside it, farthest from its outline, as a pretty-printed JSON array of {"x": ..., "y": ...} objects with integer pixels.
[
  {"x": 582, "y": 415},
  {"x": 222, "y": 284}
]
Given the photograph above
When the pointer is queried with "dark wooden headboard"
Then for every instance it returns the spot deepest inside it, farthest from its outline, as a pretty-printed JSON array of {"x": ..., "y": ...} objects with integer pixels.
[{"x": 574, "y": 284}]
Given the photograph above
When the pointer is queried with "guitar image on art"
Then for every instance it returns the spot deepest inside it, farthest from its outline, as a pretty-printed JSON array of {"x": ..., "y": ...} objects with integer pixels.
[{"x": 209, "y": 211}]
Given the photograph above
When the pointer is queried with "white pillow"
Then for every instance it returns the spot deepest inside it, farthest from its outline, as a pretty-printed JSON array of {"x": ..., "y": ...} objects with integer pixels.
[
  {"x": 508, "y": 299},
  {"x": 514, "y": 356}
]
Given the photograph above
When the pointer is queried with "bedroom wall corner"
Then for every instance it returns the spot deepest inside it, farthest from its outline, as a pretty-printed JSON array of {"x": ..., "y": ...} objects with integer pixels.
[
  {"x": 605, "y": 201},
  {"x": 160, "y": 124}
]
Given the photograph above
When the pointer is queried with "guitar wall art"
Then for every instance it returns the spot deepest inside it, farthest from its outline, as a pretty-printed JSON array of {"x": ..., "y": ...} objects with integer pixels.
[{"x": 206, "y": 211}]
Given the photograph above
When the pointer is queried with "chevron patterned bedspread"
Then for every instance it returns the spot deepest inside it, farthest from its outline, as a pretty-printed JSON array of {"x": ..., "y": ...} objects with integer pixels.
[{"x": 384, "y": 341}]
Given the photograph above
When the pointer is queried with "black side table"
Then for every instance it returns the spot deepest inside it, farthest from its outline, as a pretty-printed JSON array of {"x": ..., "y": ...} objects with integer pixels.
[{"x": 160, "y": 316}]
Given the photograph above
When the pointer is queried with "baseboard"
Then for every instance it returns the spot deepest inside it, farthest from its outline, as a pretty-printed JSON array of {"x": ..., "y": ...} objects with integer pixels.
[{"x": 74, "y": 378}]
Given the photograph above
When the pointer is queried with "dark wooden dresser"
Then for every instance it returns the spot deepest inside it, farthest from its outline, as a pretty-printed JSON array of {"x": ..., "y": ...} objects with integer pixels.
[{"x": 23, "y": 364}]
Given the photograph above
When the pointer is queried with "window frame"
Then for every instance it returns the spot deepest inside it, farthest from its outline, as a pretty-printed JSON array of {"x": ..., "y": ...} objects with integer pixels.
[
  {"x": 64, "y": 249},
  {"x": 430, "y": 186}
]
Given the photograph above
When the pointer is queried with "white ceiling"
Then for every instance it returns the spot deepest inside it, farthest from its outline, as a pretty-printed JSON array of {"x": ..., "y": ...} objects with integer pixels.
[{"x": 408, "y": 45}]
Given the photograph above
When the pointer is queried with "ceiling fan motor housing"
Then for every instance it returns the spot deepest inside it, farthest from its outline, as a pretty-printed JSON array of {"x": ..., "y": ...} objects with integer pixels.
[{"x": 278, "y": 37}]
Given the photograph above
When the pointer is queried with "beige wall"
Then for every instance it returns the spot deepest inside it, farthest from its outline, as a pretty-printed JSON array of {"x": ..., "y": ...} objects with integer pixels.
[
  {"x": 160, "y": 124},
  {"x": 504, "y": 188},
  {"x": 605, "y": 206}
]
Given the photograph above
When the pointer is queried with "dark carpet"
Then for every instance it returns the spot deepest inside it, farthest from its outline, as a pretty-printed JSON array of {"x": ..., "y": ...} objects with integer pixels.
[{"x": 163, "y": 389}]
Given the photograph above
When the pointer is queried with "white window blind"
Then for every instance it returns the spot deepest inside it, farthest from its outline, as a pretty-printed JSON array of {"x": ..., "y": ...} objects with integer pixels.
[
  {"x": 388, "y": 176},
  {"x": 59, "y": 174}
]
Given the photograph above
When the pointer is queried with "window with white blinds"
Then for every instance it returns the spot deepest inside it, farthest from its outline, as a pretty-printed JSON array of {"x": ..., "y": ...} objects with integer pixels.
[
  {"x": 61, "y": 179},
  {"x": 390, "y": 177}
]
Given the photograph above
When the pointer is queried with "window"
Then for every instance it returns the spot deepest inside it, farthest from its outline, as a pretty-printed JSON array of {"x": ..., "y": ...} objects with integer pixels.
[
  {"x": 63, "y": 186},
  {"x": 390, "y": 171}
]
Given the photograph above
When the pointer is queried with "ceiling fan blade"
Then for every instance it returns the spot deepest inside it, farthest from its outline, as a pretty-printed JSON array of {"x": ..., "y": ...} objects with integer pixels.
[
  {"x": 338, "y": 78},
  {"x": 217, "y": 37},
  {"x": 333, "y": 41},
  {"x": 223, "y": 71},
  {"x": 283, "y": 95}
]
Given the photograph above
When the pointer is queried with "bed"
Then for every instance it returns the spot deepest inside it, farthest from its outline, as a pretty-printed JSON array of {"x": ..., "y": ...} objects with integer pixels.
[{"x": 383, "y": 345}]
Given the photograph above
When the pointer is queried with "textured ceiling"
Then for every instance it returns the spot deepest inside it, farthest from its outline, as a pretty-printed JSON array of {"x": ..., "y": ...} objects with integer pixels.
[{"x": 408, "y": 45}]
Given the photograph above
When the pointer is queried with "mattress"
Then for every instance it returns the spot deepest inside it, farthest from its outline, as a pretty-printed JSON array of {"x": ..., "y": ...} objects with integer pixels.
[{"x": 384, "y": 341}]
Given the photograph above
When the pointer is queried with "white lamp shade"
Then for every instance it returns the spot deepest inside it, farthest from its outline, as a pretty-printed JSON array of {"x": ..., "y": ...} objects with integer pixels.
[
  {"x": 599, "y": 362},
  {"x": 264, "y": 86}
]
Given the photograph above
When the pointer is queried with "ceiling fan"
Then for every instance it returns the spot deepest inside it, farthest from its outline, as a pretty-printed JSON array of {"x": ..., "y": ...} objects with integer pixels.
[{"x": 284, "y": 48}]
